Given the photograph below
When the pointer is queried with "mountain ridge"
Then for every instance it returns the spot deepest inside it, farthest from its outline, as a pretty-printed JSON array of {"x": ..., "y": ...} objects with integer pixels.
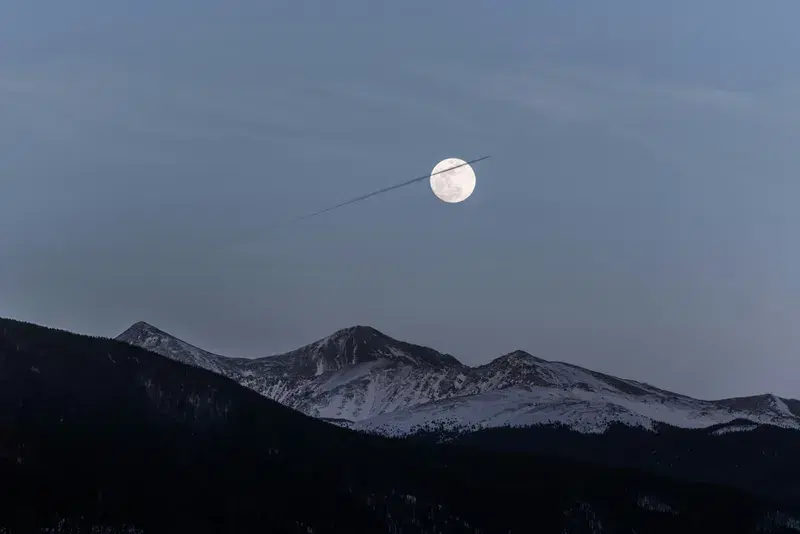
[{"x": 383, "y": 385}]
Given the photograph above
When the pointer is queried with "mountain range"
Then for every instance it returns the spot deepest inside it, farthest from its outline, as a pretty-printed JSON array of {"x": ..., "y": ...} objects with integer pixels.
[
  {"x": 361, "y": 378},
  {"x": 98, "y": 435}
]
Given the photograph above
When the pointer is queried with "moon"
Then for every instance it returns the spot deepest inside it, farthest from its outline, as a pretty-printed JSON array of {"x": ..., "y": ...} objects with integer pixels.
[{"x": 455, "y": 185}]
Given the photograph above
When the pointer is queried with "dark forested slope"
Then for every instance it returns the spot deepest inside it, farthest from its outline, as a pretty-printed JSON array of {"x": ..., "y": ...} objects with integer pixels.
[
  {"x": 95, "y": 432},
  {"x": 760, "y": 459}
]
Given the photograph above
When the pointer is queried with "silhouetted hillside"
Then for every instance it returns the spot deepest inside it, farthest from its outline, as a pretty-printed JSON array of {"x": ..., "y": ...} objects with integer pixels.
[{"x": 96, "y": 432}]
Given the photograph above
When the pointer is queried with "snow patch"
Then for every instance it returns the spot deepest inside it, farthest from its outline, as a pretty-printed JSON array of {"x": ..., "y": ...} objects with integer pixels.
[
  {"x": 733, "y": 428},
  {"x": 781, "y": 406}
]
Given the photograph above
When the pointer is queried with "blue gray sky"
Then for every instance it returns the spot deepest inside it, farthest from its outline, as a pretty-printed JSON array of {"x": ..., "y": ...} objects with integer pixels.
[{"x": 638, "y": 216}]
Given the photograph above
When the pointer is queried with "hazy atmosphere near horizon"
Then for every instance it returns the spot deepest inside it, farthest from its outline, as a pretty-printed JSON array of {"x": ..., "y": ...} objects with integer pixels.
[{"x": 639, "y": 215}]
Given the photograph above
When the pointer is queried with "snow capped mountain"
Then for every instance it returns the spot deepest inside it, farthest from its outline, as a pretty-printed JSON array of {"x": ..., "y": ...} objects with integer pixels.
[
  {"x": 353, "y": 374},
  {"x": 361, "y": 378}
]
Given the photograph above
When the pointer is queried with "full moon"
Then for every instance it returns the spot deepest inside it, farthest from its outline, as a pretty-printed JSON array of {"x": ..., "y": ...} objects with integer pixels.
[{"x": 455, "y": 185}]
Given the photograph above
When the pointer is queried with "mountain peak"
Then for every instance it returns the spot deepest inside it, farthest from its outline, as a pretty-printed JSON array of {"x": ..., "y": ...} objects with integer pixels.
[
  {"x": 135, "y": 331},
  {"x": 764, "y": 402},
  {"x": 139, "y": 328},
  {"x": 361, "y": 344},
  {"x": 362, "y": 332},
  {"x": 517, "y": 357}
]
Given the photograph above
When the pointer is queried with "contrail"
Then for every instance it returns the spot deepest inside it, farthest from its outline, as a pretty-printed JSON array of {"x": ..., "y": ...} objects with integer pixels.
[
  {"x": 286, "y": 222},
  {"x": 385, "y": 189}
]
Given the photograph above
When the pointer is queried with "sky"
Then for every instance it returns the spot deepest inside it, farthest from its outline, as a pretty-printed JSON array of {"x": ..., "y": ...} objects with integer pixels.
[{"x": 638, "y": 215}]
